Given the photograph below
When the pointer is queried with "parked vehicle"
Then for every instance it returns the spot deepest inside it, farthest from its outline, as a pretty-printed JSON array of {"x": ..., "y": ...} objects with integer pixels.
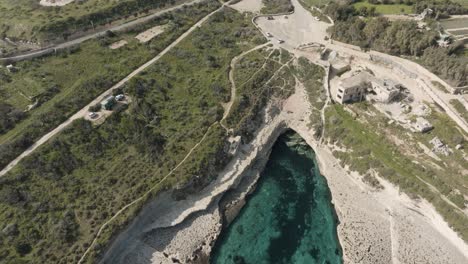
[
  {"x": 93, "y": 115},
  {"x": 120, "y": 97}
]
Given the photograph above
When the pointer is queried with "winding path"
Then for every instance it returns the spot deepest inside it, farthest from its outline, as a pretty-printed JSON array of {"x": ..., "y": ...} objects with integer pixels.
[{"x": 227, "y": 106}]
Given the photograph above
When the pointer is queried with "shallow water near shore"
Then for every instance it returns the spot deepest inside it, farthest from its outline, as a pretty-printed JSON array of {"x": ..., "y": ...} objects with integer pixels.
[{"x": 289, "y": 218}]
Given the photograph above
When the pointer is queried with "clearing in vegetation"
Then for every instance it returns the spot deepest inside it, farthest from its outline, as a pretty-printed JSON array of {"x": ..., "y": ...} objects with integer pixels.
[
  {"x": 118, "y": 44},
  {"x": 150, "y": 33}
]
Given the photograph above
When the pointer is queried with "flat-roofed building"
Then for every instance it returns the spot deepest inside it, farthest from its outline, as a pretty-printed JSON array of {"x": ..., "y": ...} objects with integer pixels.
[
  {"x": 354, "y": 88},
  {"x": 357, "y": 87},
  {"x": 385, "y": 90}
]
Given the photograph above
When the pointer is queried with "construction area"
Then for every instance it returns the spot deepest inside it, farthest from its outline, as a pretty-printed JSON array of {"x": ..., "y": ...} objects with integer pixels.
[{"x": 149, "y": 34}]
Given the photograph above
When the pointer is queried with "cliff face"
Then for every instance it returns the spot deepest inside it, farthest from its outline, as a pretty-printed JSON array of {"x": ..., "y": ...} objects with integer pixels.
[
  {"x": 375, "y": 226},
  {"x": 184, "y": 230}
]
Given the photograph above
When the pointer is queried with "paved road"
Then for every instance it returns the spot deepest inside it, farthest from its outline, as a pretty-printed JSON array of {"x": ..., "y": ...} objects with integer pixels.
[
  {"x": 300, "y": 28},
  {"x": 37, "y": 53},
  {"x": 82, "y": 113}
]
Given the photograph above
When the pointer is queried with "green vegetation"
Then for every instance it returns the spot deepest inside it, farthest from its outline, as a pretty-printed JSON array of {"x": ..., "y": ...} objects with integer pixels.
[
  {"x": 384, "y": 9},
  {"x": 259, "y": 76},
  {"x": 277, "y": 6},
  {"x": 344, "y": 9},
  {"x": 312, "y": 6},
  {"x": 443, "y": 8},
  {"x": 381, "y": 34},
  {"x": 448, "y": 63},
  {"x": 371, "y": 146},
  {"x": 91, "y": 172},
  {"x": 402, "y": 38},
  {"x": 321, "y": 16},
  {"x": 461, "y": 109},
  {"x": 317, "y": 3},
  {"x": 440, "y": 86},
  {"x": 61, "y": 85},
  {"x": 25, "y": 19},
  {"x": 311, "y": 76}
]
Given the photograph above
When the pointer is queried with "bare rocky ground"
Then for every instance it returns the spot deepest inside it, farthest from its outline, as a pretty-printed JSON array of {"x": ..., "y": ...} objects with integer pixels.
[
  {"x": 253, "y": 6},
  {"x": 383, "y": 226},
  {"x": 375, "y": 227},
  {"x": 55, "y": 2}
]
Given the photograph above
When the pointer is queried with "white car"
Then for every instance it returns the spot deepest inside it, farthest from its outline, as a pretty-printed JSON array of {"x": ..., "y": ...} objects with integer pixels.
[
  {"x": 120, "y": 97},
  {"x": 269, "y": 34},
  {"x": 93, "y": 115}
]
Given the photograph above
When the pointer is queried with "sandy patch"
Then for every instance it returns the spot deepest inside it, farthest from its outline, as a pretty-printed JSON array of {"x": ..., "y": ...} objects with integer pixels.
[
  {"x": 253, "y": 6},
  {"x": 147, "y": 35},
  {"x": 118, "y": 44},
  {"x": 55, "y": 2}
]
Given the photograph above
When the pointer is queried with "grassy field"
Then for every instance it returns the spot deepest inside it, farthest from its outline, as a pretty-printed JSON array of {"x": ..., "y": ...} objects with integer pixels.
[
  {"x": 440, "y": 86},
  {"x": 386, "y": 9},
  {"x": 257, "y": 76},
  {"x": 311, "y": 76},
  {"x": 91, "y": 172},
  {"x": 461, "y": 109},
  {"x": 373, "y": 146},
  {"x": 64, "y": 83},
  {"x": 318, "y": 3},
  {"x": 26, "y": 19}
]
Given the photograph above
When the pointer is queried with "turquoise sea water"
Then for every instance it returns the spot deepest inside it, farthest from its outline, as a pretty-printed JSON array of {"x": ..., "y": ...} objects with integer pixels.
[{"x": 288, "y": 219}]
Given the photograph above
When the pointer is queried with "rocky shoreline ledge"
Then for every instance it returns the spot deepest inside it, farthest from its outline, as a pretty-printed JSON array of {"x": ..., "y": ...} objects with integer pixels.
[{"x": 375, "y": 226}]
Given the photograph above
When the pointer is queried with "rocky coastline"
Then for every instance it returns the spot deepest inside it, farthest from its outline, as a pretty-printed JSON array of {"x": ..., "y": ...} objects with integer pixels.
[{"x": 383, "y": 226}]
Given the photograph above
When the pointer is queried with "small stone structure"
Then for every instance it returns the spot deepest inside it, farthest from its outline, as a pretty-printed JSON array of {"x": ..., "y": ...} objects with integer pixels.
[
  {"x": 234, "y": 145},
  {"x": 108, "y": 103},
  {"x": 422, "y": 125},
  {"x": 440, "y": 147},
  {"x": 385, "y": 90},
  {"x": 11, "y": 68}
]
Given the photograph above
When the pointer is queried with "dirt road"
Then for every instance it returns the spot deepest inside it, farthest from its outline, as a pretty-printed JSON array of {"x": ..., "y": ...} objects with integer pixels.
[
  {"x": 227, "y": 106},
  {"x": 301, "y": 28},
  {"x": 54, "y": 48},
  {"x": 82, "y": 113}
]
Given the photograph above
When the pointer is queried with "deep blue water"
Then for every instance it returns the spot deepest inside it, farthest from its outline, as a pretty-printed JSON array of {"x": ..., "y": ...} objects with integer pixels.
[{"x": 289, "y": 218}]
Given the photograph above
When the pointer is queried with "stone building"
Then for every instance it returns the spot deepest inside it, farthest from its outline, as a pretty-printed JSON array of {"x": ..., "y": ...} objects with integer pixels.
[
  {"x": 353, "y": 89},
  {"x": 357, "y": 87},
  {"x": 385, "y": 90}
]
